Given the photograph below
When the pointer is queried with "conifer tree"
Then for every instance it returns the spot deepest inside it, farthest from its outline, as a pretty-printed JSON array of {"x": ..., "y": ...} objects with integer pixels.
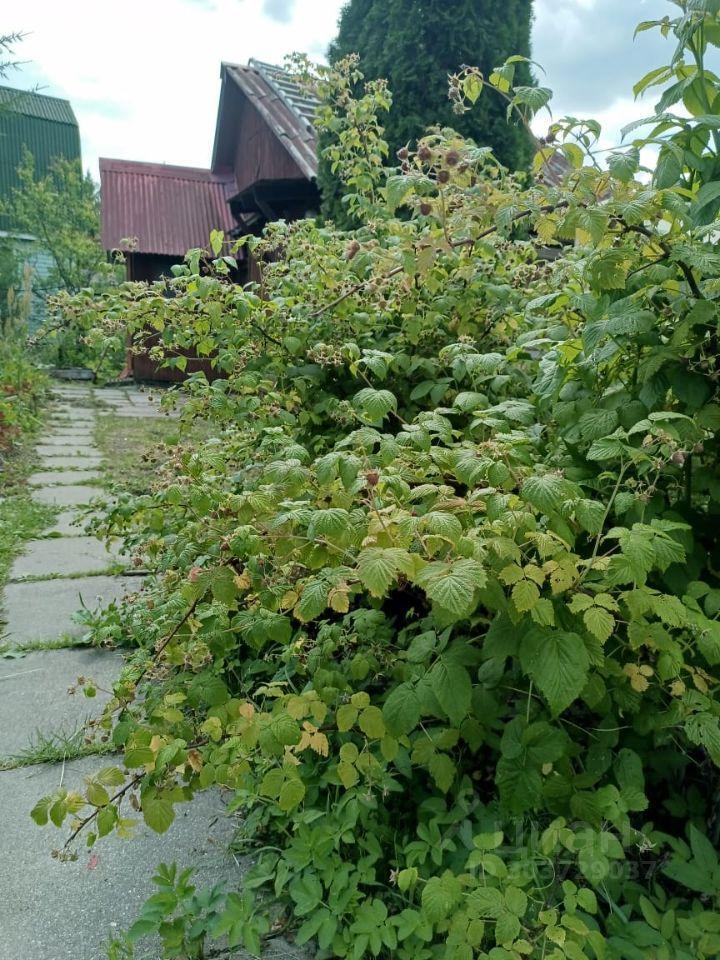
[{"x": 414, "y": 45}]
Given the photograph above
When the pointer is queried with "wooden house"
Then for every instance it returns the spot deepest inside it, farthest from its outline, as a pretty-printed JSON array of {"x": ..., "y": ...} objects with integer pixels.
[{"x": 264, "y": 168}]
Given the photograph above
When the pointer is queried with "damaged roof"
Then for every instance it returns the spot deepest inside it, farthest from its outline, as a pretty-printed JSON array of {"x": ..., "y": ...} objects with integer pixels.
[
  {"x": 161, "y": 209},
  {"x": 286, "y": 108}
]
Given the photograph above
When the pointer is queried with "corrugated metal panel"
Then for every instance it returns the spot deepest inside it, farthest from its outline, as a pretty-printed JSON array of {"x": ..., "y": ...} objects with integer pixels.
[
  {"x": 50, "y": 131},
  {"x": 284, "y": 106},
  {"x": 166, "y": 209},
  {"x": 38, "y": 105}
]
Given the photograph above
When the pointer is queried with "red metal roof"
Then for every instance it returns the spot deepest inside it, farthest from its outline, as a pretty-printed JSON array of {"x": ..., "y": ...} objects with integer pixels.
[
  {"x": 286, "y": 109},
  {"x": 163, "y": 209}
]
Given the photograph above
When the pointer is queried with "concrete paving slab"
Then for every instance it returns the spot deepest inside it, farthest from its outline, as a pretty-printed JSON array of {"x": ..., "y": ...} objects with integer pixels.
[
  {"x": 64, "y": 556},
  {"x": 66, "y": 911},
  {"x": 73, "y": 408},
  {"x": 61, "y": 462},
  {"x": 71, "y": 523},
  {"x": 66, "y": 417},
  {"x": 46, "y": 450},
  {"x": 82, "y": 441},
  {"x": 43, "y": 610},
  {"x": 69, "y": 450},
  {"x": 72, "y": 495},
  {"x": 35, "y": 703},
  {"x": 64, "y": 426},
  {"x": 49, "y": 477},
  {"x": 70, "y": 429}
]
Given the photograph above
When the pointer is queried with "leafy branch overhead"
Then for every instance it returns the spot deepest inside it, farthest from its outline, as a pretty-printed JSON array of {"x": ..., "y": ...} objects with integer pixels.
[{"x": 437, "y": 600}]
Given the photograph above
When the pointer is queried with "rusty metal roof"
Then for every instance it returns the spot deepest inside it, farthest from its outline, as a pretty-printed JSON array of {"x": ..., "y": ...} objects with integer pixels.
[
  {"x": 284, "y": 105},
  {"x": 165, "y": 209}
]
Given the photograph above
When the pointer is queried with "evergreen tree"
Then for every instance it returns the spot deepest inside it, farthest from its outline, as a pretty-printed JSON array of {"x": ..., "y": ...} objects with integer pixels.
[{"x": 415, "y": 44}]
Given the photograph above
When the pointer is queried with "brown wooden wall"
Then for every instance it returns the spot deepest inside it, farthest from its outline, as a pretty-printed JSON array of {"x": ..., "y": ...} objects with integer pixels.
[{"x": 259, "y": 155}]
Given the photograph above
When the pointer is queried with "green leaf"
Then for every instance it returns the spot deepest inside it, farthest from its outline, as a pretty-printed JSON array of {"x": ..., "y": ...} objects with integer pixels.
[
  {"x": 451, "y": 684},
  {"x": 371, "y": 723},
  {"x": 439, "y": 897},
  {"x": 378, "y": 568},
  {"x": 374, "y": 405},
  {"x": 707, "y": 202},
  {"x": 291, "y": 794},
  {"x": 222, "y": 584},
  {"x": 546, "y": 492},
  {"x": 623, "y": 165},
  {"x": 590, "y": 515},
  {"x": 558, "y": 663},
  {"x": 599, "y": 622},
  {"x": 39, "y": 812},
  {"x": 608, "y": 270},
  {"x": 138, "y": 757},
  {"x": 525, "y": 595},
  {"x": 442, "y": 770},
  {"x": 401, "y": 710},
  {"x": 452, "y": 586},
  {"x": 158, "y": 813},
  {"x": 346, "y": 717},
  {"x": 313, "y": 601}
]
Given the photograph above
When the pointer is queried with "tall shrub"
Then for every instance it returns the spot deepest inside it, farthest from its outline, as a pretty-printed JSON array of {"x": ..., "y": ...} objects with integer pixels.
[{"x": 440, "y": 606}]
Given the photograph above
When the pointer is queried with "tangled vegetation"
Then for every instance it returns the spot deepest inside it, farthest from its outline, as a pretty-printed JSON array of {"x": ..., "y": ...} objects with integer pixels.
[
  {"x": 438, "y": 602},
  {"x": 22, "y": 388}
]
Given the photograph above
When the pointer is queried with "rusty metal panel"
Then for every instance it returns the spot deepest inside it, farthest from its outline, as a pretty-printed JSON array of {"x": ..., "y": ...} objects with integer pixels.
[{"x": 165, "y": 210}]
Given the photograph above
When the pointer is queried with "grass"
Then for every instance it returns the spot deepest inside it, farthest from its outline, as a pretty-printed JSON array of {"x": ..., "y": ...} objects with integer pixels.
[
  {"x": 21, "y": 519},
  {"x": 13, "y": 651},
  {"x": 112, "y": 570},
  {"x": 133, "y": 448},
  {"x": 57, "y": 747}
]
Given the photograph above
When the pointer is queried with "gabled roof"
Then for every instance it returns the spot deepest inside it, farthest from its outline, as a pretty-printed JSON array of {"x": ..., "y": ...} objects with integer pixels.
[
  {"x": 31, "y": 104},
  {"x": 286, "y": 108},
  {"x": 167, "y": 210}
]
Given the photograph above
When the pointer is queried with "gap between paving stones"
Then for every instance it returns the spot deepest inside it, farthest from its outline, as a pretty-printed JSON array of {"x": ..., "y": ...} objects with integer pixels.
[{"x": 45, "y": 911}]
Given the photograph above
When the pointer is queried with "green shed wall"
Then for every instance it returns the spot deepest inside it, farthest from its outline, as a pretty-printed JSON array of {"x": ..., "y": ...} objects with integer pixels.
[{"x": 44, "y": 138}]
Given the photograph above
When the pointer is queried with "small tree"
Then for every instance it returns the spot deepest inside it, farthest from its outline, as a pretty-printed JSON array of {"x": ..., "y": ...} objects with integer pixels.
[{"x": 62, "y": 209}]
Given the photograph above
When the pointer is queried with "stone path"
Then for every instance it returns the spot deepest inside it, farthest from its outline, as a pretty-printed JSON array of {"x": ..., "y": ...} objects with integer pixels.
[{"x": 66, "y": 911}]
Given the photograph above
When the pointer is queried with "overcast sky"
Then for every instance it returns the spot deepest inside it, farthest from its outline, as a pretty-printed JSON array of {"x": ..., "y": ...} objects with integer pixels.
[{"x": 143, "y": 76}]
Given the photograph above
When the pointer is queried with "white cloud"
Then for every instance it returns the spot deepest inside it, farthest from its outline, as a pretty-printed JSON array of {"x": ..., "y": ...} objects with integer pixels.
[{"x": 144, "y": 78}]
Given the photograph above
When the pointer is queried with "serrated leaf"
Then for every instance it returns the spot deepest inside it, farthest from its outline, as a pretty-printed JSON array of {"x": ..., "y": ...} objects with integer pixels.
[
  {"x": 546, "y": 492},
  {"x": 158, "y": 813},
  {"x": 375, "y": 405},
  {"x": 599, "y": 622},
  {"x": 442, "y": 770},
  {"x": 401, "y": 710},
  {"x": 452, "y": 586},
  {"x": 590, "y": 515},
  {"x": 558, "y": 663},
  {"x": 313, "y": 601},
  {"x": 439, "y": 896},
  {"x": 291, "y": 794},
  {"x": 525, "y": 595},
  {"x": 378, "y": 568},
  {"x": 451, "y": 684}
]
